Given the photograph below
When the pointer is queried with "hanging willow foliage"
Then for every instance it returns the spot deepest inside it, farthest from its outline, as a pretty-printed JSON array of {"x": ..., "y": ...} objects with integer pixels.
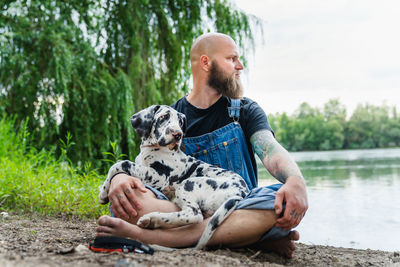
[{"x": 85, "y": 67}]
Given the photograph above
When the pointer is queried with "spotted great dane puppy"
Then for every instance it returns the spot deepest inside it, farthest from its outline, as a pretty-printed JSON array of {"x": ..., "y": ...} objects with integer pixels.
[{"x": 198, "y": 188}]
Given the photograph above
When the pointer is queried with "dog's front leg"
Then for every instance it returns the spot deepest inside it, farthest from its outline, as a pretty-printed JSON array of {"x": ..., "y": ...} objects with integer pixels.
[{"x": 189, "y": 214}]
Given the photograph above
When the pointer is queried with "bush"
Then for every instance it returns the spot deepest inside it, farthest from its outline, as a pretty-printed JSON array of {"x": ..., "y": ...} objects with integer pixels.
[{"x": 37, "y": 181}]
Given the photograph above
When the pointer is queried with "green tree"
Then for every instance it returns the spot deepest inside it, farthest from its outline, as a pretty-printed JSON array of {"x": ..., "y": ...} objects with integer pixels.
[
  {"x": 335, "y": 122},
  {"x": 333, "y": 110},
  {"x": 333, "y": 135},
  {"x": 368, "y": 127},
  {"x": 309, "y": 131},
  {"x": 86, "y": 66},
  {"x": 283, "y": 126},
  {"x": 310, "y": 128},
  {"x": 393, "y": 132}
]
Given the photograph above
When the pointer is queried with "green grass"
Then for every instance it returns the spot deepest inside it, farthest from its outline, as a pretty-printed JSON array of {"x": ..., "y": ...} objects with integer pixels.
[{"x": 38, "y": 181}]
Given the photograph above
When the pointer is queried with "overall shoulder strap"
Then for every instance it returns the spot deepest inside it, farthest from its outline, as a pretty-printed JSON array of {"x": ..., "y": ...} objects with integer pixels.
[{"x": 234, "y": 109}]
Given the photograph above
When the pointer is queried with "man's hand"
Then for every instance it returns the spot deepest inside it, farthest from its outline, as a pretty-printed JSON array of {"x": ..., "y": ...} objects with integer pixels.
[
  {"x": 124, "y": 203},
  {"x": 294, "y": 194}
]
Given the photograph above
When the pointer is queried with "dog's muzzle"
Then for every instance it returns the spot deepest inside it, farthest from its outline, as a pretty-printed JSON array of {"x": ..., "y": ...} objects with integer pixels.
[{"x": 177, "y": 135}]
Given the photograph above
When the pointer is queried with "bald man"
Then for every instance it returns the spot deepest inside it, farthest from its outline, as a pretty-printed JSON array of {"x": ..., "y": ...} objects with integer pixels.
[{"x": 226, "y": 130}]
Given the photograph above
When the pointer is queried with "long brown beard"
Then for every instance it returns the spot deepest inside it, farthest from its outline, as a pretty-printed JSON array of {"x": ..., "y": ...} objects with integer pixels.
[{"x": 227, "y": 86}]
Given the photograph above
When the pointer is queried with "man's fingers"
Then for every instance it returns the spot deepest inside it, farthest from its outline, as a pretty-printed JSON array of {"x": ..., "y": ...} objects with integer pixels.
[
  {"x": 133, "y": 199},
  {"x": 294, "y": 215},
  {"x": 298, "y": 220},
  {"x": 139, "y": 184},
  {"x": 290, "y": 219},
  {"x": 278, "y": 203},
  {"x": 117, "y": 209},
  {"x": 127, "y": 206},
  {"x": 284, "y": 222},
  {"x": 113, "y": 208}
]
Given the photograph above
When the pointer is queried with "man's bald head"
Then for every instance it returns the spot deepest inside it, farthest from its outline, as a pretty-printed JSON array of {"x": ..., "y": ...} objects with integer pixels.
[
  {"x": 208, "y": 44},
  {"x": 215, "y": 63}
]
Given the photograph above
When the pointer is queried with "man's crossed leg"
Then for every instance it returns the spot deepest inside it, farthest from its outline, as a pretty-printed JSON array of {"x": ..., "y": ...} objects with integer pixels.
[{"x": 246, "y": 226}]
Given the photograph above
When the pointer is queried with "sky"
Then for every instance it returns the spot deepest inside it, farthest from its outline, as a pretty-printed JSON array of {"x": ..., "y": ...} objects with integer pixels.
[{"x": 314, "y": 50}]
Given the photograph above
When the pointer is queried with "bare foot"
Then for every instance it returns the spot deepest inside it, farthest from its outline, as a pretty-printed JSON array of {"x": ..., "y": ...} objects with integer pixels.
[
  {"x": 284, "y": 246},
  {"x": 110, "y": 226}
]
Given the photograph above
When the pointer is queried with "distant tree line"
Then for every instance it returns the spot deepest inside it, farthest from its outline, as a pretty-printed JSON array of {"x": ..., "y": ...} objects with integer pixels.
[{"x": 330, "y": 128}]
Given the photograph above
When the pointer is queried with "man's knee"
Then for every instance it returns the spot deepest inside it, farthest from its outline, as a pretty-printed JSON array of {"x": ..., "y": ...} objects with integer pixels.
[
  {"x": 244, "y": 227},
  {"x": 263, "y": 219}
]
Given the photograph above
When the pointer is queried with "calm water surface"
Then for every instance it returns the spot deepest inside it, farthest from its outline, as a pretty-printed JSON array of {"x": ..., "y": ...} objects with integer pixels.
[{"x": 354, "y": 198}]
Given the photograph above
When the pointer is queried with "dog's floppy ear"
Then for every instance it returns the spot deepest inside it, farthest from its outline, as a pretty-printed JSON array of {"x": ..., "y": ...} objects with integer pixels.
[
  {"x": 182, "y": 146},
  {"x": 182, "y": 122},
  {"x": 143, "y": 120}
]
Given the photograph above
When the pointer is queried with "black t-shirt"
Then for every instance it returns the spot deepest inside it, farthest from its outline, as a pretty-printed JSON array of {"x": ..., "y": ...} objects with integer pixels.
[{"x": 201, "y": 121}]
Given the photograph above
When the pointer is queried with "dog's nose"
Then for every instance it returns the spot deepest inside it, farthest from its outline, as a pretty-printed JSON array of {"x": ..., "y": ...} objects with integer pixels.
[{"x": 177, "y": 135}]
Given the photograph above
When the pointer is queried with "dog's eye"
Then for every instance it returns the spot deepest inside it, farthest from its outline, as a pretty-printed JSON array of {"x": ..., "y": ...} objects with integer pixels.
[{"x": 163, "y": 118}]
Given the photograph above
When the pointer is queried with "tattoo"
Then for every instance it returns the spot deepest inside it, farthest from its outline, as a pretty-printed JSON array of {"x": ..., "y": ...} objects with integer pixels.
[
  {"x": 127, "y": 191},
  {"x": 262, "y": 143},
  {"x": 274, "y": 157},
  {"x": 291, "y": 212},
  {"x": 120, "y": 196}
]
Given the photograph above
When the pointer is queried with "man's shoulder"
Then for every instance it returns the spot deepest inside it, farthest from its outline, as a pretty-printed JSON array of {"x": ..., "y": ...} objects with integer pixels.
[
  {"x": 253, "y": 117},
  {"x": 244, "y": 101},
  {"x": 247, "y": 101},
  {"x": 250, "y": 105},
  {"x": 178, "y": 104}
]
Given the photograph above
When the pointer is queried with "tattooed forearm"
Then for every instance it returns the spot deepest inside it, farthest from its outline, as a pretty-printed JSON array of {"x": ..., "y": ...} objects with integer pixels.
[
  {"x": 274, "y": 157},
  {"x": 262, "y": 143}
]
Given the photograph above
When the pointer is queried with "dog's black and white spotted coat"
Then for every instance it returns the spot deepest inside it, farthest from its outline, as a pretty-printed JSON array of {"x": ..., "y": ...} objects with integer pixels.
[{"x": 199, "y": 189}]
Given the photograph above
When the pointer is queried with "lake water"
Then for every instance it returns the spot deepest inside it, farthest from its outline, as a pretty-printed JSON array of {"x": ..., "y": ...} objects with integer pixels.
[{"x": 354, "y": 198}]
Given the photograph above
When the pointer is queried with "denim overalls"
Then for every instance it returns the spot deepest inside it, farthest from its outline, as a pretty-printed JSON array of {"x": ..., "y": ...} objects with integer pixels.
[{"x": 225, "y": 147}]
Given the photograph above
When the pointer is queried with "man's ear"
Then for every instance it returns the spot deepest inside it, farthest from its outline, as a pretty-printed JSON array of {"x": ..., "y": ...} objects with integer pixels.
[
  {"x": 205, "y": 62},
  {"x": 143, "y": 121}
]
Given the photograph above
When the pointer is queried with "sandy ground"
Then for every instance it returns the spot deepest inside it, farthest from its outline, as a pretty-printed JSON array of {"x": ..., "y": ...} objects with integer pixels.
[{"x": 33, "y": 240}]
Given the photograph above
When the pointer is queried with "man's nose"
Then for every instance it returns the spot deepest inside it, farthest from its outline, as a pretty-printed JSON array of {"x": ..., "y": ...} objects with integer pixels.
[{"x": 239, "y": 65}]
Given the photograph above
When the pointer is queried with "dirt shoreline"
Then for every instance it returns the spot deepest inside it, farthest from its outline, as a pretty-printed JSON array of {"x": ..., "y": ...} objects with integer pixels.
[{"x": 33, "y": 240}]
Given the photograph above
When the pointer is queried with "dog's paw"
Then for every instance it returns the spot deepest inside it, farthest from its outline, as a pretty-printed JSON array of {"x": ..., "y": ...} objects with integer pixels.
[
  {"x": 145, "y": 222},
  {"x": 169, "y": 192},
  {"x": 150, "y": 220}
]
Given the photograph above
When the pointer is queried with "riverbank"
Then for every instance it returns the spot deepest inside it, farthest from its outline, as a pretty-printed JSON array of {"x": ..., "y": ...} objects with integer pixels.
[{"x": 34, "y": 240}]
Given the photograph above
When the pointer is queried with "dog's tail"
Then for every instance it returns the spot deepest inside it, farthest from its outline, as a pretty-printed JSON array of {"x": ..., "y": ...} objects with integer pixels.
[{"x": 219, "y": 216}]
